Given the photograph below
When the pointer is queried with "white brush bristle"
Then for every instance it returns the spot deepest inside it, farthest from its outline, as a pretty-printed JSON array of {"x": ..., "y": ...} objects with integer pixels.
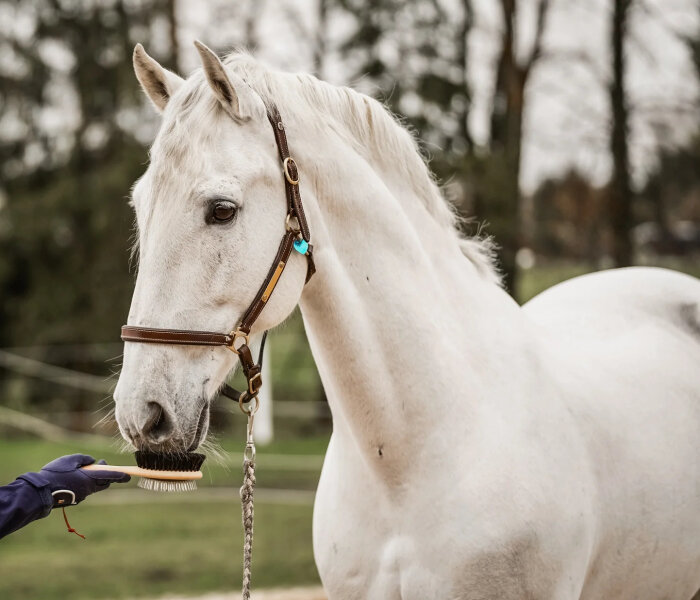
[{"x": 161, "y": 485}]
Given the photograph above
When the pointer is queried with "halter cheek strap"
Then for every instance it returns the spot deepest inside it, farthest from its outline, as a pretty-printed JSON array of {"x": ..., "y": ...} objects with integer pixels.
[{"x": 297, "y": 238}]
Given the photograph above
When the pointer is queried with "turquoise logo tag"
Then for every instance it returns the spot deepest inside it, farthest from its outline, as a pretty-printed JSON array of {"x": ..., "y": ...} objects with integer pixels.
[{"x": 301, "y": 246}]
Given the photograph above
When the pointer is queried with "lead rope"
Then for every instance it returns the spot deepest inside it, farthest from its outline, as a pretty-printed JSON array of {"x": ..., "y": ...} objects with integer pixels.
[
  {"x": 249, "y": 406},
  {"x": 247, "y": 490}
]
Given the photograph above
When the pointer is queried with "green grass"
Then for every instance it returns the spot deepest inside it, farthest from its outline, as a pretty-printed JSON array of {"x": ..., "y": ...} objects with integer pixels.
[
  {"x": 147, "y": 550},
  {"x": 541, "y": 277},
  {"x": 534, "y": 281},
  {"x": 141, "y": 550}
]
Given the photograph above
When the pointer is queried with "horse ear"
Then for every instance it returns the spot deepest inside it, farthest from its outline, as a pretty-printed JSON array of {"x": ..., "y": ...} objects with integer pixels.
[
  {"x": 158, "y": 83},
  {"x": 234, "y": 95}
]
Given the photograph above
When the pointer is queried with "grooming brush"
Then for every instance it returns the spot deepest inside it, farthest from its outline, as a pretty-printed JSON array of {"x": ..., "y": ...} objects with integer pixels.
[{"x": 161, "y": 472}]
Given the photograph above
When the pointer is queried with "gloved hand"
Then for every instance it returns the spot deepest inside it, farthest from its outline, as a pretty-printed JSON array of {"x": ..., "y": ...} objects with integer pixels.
[{"x": 68, "y": 483}]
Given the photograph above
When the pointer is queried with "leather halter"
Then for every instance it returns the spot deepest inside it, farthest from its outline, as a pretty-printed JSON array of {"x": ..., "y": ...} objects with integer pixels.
[{"x": 297, "y": 237}]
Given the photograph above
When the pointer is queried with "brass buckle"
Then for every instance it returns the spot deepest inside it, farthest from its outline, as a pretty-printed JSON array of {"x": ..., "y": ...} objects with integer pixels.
[
  {"x": 238, "y": 334},
  {"x": 250, "y": 383},
  {"x": 285, "y": 166}
]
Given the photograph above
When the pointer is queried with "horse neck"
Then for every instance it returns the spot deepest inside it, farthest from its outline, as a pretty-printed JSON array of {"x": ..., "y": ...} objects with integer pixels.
[{"x": 402, "y": 327}]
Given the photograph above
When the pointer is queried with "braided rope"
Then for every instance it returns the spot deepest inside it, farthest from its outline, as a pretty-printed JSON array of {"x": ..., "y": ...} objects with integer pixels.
[{"x": 247, "y": 490}]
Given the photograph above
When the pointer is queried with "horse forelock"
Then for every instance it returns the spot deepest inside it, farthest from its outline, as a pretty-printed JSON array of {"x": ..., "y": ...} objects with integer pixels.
[{"x": 189, "y": 123}]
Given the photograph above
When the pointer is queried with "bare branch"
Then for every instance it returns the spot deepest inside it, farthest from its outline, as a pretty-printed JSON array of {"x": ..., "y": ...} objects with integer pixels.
[
  {"x": 542, "y": 12},
  {"x": 641, "y": 47},
  {"x": 570, "y": 101},
  {"x": 320, "y": 39},
  {"x": 505, "y": 6},
  {"x": 660, "y": 16},
  {"x": 440, "y": 10},
  {"x": 509, "y": 8},
  {"x": 581, "y": 57},
  {"x": 295, "y": 20},
  {"x": 663, "y": 106}
]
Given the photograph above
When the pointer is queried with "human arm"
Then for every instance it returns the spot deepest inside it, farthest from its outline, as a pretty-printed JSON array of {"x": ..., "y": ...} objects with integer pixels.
[{"x": 60, "y": 483}]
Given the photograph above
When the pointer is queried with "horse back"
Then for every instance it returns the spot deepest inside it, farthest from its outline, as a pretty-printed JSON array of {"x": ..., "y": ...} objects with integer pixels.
[
  {"x": 624, "y": 348},
  {"x": 618, "y": 301}
]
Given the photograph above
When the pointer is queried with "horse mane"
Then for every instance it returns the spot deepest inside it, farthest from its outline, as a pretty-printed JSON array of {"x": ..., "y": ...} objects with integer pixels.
[{"x": 372, "y": 130}]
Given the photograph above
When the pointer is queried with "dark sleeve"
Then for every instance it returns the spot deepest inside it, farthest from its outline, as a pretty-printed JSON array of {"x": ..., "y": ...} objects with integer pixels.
[{"x": 21, "y": 503}]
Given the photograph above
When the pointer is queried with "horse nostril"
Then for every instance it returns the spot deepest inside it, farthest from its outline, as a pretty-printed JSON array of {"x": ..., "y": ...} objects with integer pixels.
[{"x": 158, "y": 425}]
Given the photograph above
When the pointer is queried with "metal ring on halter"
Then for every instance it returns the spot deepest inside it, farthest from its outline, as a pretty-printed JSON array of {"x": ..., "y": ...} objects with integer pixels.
[
  {"x": 285, "y": 165},
  {"x": 238, "y": 334},
  {"x": 251, "y": 408},
  {"x": 288, "y": 226}
]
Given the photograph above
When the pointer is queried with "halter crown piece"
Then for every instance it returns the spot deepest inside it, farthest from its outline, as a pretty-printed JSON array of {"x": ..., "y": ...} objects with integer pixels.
[{"x": 297, "y": 237}]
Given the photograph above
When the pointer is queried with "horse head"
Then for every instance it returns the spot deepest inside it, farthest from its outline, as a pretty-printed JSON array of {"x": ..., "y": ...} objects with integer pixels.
[{"x": 210, "y": 211}]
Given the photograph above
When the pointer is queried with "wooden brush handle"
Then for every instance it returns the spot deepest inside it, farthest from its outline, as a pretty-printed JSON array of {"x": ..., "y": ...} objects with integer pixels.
[{"x": 150, "y": 473}]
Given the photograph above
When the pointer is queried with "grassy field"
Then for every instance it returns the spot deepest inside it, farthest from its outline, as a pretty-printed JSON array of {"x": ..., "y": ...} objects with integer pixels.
[{"x": 146, "y": 549}]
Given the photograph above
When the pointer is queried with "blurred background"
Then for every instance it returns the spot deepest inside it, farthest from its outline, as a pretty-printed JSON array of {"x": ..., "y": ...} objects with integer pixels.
[{"x": 568, "y": 130}]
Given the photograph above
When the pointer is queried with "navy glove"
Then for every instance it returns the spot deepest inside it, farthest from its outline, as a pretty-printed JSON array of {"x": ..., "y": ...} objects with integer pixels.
[{"x": 68, "y": 483}]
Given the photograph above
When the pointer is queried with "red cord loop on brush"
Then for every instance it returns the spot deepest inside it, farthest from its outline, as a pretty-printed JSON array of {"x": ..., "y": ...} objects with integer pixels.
[{"x": 70, "y": 529}]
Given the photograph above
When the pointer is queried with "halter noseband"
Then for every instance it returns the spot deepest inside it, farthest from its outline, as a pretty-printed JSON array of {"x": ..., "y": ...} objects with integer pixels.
[{"x": 297, "y": 237}]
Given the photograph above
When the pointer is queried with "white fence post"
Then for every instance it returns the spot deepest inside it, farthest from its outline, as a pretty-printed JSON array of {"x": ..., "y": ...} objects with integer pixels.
[{"x": 264, "y": 428}]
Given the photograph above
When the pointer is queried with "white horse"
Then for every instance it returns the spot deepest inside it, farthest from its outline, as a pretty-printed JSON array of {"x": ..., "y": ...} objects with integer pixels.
[{"x": 480, "y": 450}]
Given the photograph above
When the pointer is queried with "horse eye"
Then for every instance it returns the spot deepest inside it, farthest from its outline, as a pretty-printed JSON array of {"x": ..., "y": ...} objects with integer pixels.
[{"x": 223, "y": 212}]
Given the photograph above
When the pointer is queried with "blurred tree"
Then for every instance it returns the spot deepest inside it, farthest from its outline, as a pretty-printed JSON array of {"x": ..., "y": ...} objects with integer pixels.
[
  {"x": 320, "y": 44},
  {"x": 413, "y": 55},
  {"x": 315, "y": 35},
  {"x": 694, "y": 47},
  {"x": 569, "y": 212},
  {"x": 170, "y": 11},
  {"x": 65, "y": 200},
  {"x": 620, "y": 187},
  {"x": 416, "y": 55},
  {"x": 235, "y": 24},
  {"x": 671, "y": 195},
  {"x": 500, "y": 204},
  {"x": 69, "y": 94},
  {"x": 250, "y": 31}
]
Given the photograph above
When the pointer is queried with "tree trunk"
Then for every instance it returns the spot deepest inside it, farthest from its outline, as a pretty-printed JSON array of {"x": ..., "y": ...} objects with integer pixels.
[
  {"x": 462, "y": 43},
  {"x": 319, "y": 50},
  {"x": 250, "y": 28},
  {"x": 503, "y": 215},
  {"x": 511, "y": 151},
  {"x": 620, "y": 197},
  {"x": 171, "y": 15}
]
